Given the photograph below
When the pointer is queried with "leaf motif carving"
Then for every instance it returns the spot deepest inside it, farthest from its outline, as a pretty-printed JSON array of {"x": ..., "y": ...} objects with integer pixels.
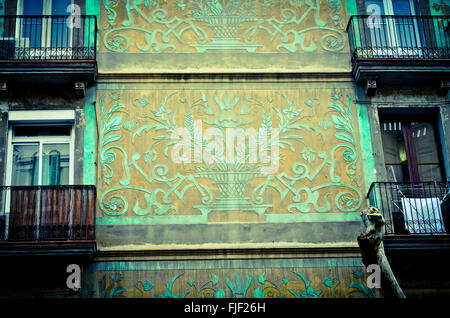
[{"x": 111, "y": 138}]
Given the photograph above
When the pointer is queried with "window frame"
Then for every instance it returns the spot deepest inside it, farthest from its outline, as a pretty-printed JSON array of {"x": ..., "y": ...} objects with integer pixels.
[
  {"x": 41, "y": 118},
  {"x": 46, "y": 7},
  {"x": 409, "y": 119},
  {"x": 46, "y": 11},
  {"x": 393, "y": 35}
]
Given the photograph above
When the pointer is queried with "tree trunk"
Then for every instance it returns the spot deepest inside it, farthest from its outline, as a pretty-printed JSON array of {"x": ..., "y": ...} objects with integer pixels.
[{"x": 372, "y": 249}]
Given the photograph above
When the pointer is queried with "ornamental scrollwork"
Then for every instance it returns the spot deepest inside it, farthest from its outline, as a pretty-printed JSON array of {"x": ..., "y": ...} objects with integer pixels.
[
  {"x": 316, "y": 162},
  {"x": 236, "y": 25}
]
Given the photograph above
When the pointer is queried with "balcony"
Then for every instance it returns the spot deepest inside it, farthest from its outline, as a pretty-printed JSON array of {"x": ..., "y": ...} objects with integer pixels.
[
  {"x": 52, "y": 46},
  {"x": 406, "y": 50},
  {"x": 416, "y": 213},
  {"x": 47, "y": 220}
]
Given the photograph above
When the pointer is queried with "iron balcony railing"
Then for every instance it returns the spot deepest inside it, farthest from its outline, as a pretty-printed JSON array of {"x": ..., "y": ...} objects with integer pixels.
[
  {"x": 47, "y": 213},
  {"x": 399, "y": 37},
  {"x": 48, "y": 37},
  {"x": 412, "y": 207}
]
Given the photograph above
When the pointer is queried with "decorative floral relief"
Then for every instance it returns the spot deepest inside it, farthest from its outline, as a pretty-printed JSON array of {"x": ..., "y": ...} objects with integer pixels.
[
  {"x": 139, "y": 174},
  {"x": 296, "y": 285},
  {"x": 208, "y": 25}
]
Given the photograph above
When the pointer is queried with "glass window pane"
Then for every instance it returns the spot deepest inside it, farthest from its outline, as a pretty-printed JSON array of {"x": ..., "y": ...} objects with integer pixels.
[
  {"x": 55, "y": 164},
  {"x": 36, "y": 131},
  {"x": 377, "y": 26},
  {"x": 393, "y": 142},
  {"x": 59, "y": 7},
  {"x": 25, "y": 166},
  {"x": 397, "y": 173},
  {"x": 32, "y": 26},
  {"x": 430, "y": 173},
  {"x": 60, "y": 33},
  {"x": 425, "y": 142},
  {"x": 401, "y": 7},
  {"x": 406, "y": 33},
  {"x": 370, "y": 5},
  {"x": 406, "y": 28},
  {"x": 426, "y": 151},
  {"x": 33, "y": 7},
  {"x": 32, "y": 31}
]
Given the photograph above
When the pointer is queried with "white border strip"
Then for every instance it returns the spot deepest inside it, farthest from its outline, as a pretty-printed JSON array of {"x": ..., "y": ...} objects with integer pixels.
[{"x": 41, "y": 115}]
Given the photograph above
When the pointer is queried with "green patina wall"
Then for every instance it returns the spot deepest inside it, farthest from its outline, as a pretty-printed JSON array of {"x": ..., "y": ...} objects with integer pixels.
[
  {"x": 90, "y": 138},
  {"x": 198, "y": 26},
  {"x": 2, "y": 11},
  {"x": 273, "y": 278},
  {"x": 198, "y": 36},
  {"x": 148, "y": 202},
  {"x": 90, "y": 122},
  {"x": 317, "y": 168},
  {"x": 440, "y": 7},
  {"x": 366, "y": 146},
  {"x": 351, "y": 7},
  {"x": 93, "y": 7},
  {"x": 437, "y": 8},
  {"x": 318, "y": 174}
]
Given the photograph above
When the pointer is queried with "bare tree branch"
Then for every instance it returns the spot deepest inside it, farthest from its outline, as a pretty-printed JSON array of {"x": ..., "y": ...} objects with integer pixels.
[{"x": 372, "y": 249}]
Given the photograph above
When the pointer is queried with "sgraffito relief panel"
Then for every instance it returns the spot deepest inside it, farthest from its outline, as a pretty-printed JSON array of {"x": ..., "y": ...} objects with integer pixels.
[
  {"x": 218, "y": 155},
  {"x": 239, "y": 279},
  {"x": 198, "y": 26}
]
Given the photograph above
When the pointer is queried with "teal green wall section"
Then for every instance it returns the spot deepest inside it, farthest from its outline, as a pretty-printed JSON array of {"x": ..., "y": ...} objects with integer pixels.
[
  {"x": 93, "y": 7},
  {"x": 366, "y": 146},
  {"x": 2, "y": 12},
  {"x": 151, "y": 220},
  {"x": 275, "y": 218},
  {"x": 352, "y": 9},
  {"x": 314, "y": 217},
  {"x": 229, "y": 264},
  {"x": 90, "y": 138},
  {"x": 439, "y": 7},
  {"x": 350, "y": 6},
  {"x": 90, "y": 131}
]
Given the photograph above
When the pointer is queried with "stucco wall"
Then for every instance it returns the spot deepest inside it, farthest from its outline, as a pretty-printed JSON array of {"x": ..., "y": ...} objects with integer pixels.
[{"x": 193, "y": 37}]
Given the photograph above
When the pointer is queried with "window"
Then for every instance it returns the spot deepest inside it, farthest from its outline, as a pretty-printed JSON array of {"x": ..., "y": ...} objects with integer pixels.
[
  {"x": 40, "y": 153},
  {"x": 411, "y": 149},
  {"x": 396, "y": 7},
  {"x": 395, "y": 36},
  {"x": 37, "y": 32}
]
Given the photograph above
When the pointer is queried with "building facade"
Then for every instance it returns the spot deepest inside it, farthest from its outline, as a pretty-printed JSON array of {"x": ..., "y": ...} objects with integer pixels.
[{"x": 223, "y": 148}]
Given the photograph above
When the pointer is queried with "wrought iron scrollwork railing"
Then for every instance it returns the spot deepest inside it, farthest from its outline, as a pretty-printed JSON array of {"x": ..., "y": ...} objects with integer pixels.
[
  {"x": 48, "y": 37},
  {"x": 412, "y": 207},
  {"x": 47, "y": 213},
  {"x": 399, "y": 37}
]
